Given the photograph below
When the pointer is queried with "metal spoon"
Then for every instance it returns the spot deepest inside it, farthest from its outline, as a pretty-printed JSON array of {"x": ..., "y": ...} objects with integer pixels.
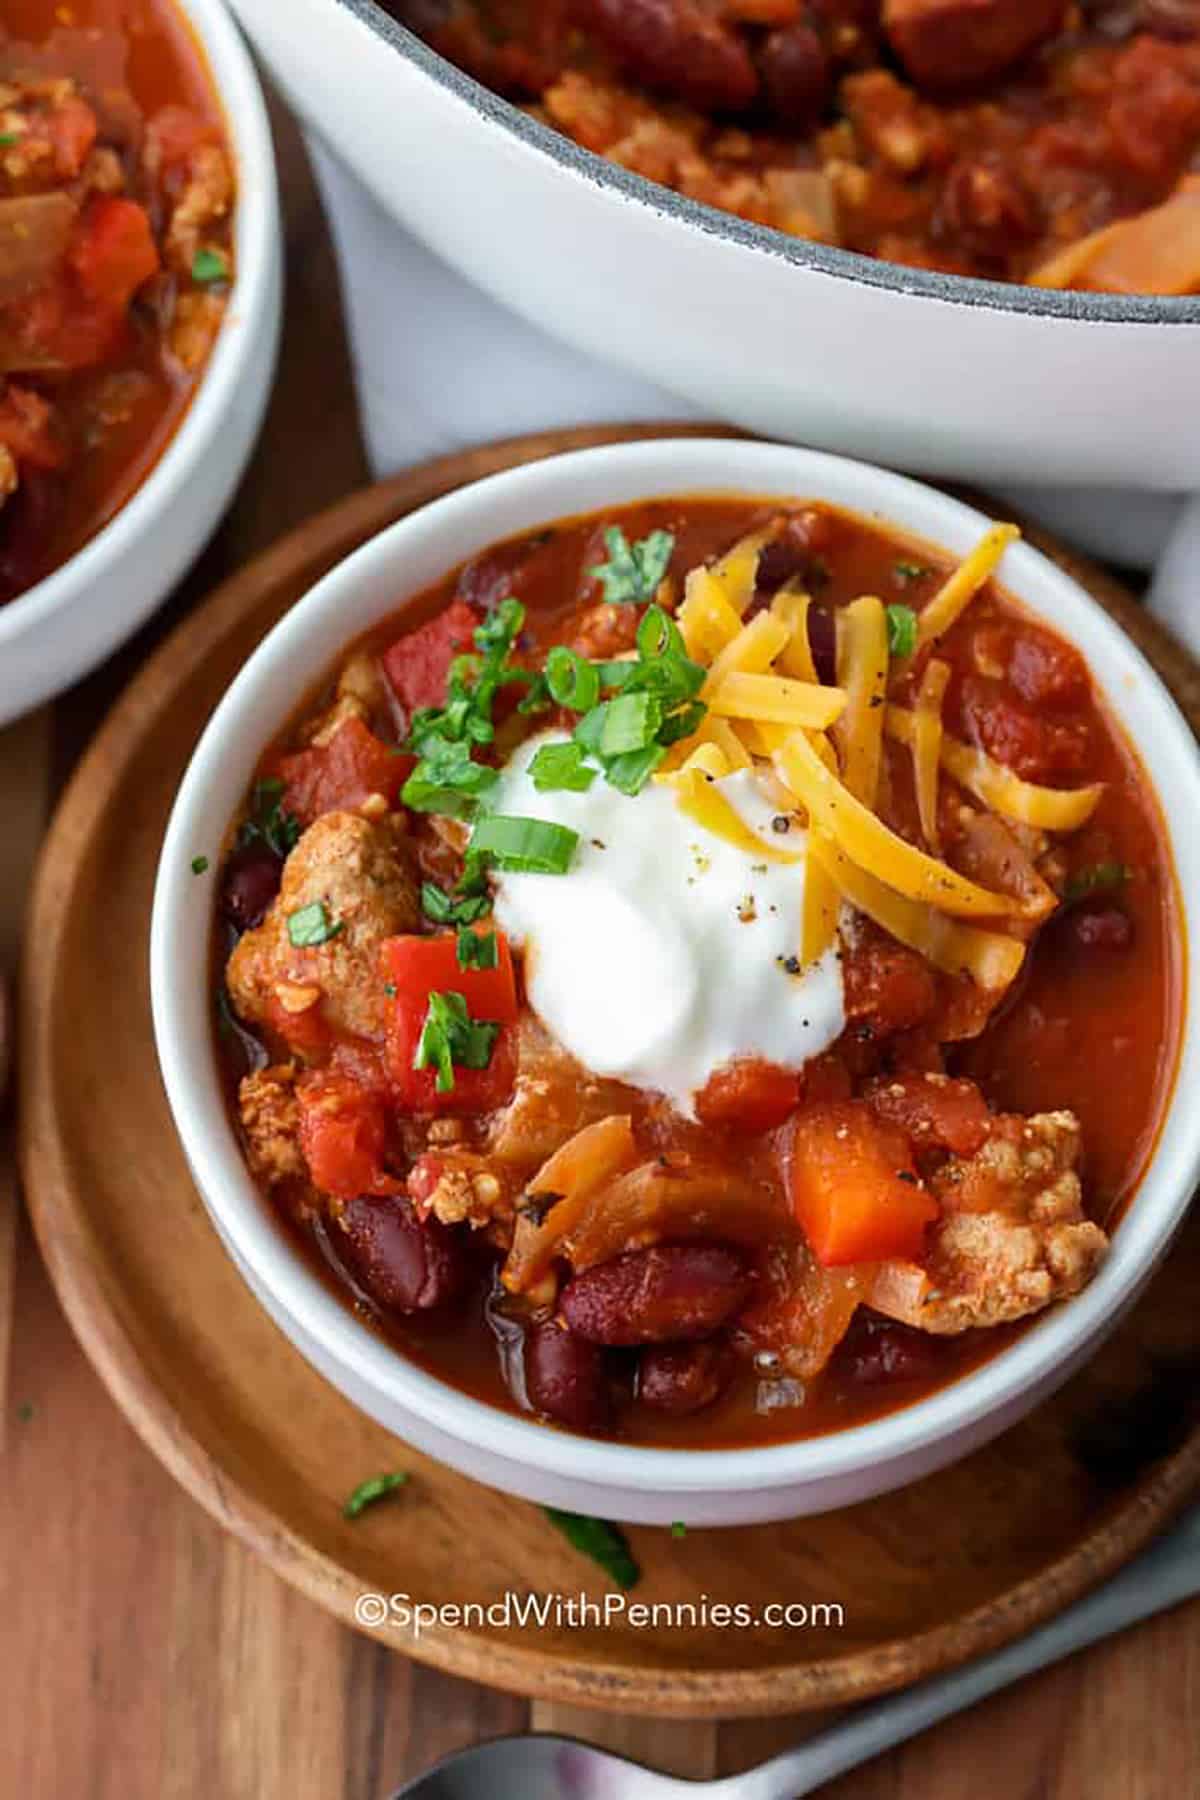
[{"x": 555, "y": 1768}]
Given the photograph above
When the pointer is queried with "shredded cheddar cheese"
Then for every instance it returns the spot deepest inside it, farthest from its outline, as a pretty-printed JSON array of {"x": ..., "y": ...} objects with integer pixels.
[
  {"x": 706, "y": 619},
  {"x": 989, "y": 957},
  {"x": 956, "y": 594},
  {"x": 777, "y": 700},
  {"x": 702, "y": 801},
  {"x": 1043, "y": 808},
  {"x": 790, "y": 606},
  {"x": 867, "y": 841},
  {"x": 927, "y": 748},
  {"x": 751, "y": 652},
  {"x": 862, "y": 667}
]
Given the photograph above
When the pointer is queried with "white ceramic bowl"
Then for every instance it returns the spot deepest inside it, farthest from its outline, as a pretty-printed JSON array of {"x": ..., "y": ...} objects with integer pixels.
[
  {"x": 66, "y": 624},
  {"x": 620, "y": 1481},
  {"x": 788, "y": 338}
]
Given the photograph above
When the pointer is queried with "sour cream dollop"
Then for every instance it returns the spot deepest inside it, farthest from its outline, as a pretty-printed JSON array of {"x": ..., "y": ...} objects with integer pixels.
[{"x": 663, "y": 952}]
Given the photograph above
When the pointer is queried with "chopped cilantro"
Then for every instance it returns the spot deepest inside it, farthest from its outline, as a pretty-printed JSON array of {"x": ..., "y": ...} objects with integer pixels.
[
  {"x": 376, "y": 1487},
  {"x": 268, "y": 822},
  {"x": 463, "y": 908},
  {"x": 1099, "y": 878},
  {"x": 606, "y": 1544},
  {"x": 632, "y": 574},
  {"x": 446, "y": 778},
  {"x": 209, "y": 267},
  {"x": 678, "y": 1529},
  {"x": 910, "y": 571},
  {"x": 199, "y": 865},
  {"x": 901, "y": 630},
  {"x": 311, "y": 926},
  {"x": 449, "y": 1036},
  {"x": 476, "y": 949}
]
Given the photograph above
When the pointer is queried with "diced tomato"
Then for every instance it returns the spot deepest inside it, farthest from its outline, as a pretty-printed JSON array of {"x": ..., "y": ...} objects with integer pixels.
[
  {"x": 854, "y": 1190},
  {"x": 423, "y": 1178},
  {"x": 749, "y": 1095},
  {"x": 115, "y": 252},
  {"x": 933, "y": 1111},
  {"x": 419, "y": 966},
  {"x": 27, "y": 429},
  {"x": 174, "y": 133},
  {"x": 418, "y": 663},
  {"x": 343, "y": 1133},
  {"x": 1032, "y": 743},
  {"x": 342, "y": 773},
  {"x": 888, "y": 988},
  {"x": 70, "y": 129},
  {"x": 305, "y": 1032},
  {"x": 826, "y": 1078}
]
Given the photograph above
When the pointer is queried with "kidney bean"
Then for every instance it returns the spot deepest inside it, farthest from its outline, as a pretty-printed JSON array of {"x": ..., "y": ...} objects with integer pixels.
[
  {"x": 797, "y": 551},
  {"x": 875, "y": 1351},
  {"x": 678, "y": 47},
  {"x": 249, "y": 884},
  {"x": 685, "y": 1378},
  {"x": 1101, "y": 928},
  {"x": 1175, "y": 20},
  {"x": 566, "y": 1377},
  {"x": 795, "y": 75},
  {"x": 987, "y": 206},
  {"x": 658, "y": 1296},
  {"x": 405, "y": 1264},
  {"x": 822, "y": 643}
]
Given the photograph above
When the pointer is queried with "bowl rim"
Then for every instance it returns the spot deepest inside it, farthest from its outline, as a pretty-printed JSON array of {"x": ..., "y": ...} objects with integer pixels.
[
  {"x": 330, "y": 613},
  {"x": 256, "y": 222},
  {"x": 803, "y": 253}
]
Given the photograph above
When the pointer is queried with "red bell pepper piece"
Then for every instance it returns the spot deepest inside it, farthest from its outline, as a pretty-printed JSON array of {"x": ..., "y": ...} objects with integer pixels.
[
  {"x": 418, "y": 663},
  {"x": 854, "y": 1190},
  {"x": 341, "y": 774},
  {"x": 417, "y": 967}
]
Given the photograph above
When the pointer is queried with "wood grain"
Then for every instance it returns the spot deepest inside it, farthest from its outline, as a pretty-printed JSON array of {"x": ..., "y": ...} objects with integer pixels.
[
  {"x": 122, "y": 1602},
  {"x": 239, "y": 1417}
]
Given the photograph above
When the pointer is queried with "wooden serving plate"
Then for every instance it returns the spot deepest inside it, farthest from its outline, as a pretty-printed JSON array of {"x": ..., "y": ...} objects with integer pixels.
[{"x": 943, "y": 1571}]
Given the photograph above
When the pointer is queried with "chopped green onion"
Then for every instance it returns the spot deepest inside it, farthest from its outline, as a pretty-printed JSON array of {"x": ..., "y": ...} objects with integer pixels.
[
  {"x": 558, "y": 766},
  {"x": 532, "y": 846},
  {"x": 199, "y": 865},
  {"x": 1100, "y": 878},
  {"x": 369, "y": 1491},
  {"x": 571, "y": 680},
  {"x": 209, "y": 266},
  {"x": 633, "y": 572},
  {"x": 8, "y": 138},
  {"x": 678, "y": 1528},
  {"x": 631, "y": 722},
  {"x": 630, "y": 773},
  {"x": 476, "y": 949},
  {"x": 450, "y": 1035},
  {"x": 617, "y": 673},
  {"x": 681, "y": 724},
  {"x": 606, "y": 1544},
  {"x": 658, "y": 635},
  {"x": 901, "y": 630},
  {"x": 311, "y": 926}
]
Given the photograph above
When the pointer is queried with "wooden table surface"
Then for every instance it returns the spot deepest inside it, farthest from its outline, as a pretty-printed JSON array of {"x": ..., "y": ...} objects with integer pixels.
[{"x": 145, "y": 1654}]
